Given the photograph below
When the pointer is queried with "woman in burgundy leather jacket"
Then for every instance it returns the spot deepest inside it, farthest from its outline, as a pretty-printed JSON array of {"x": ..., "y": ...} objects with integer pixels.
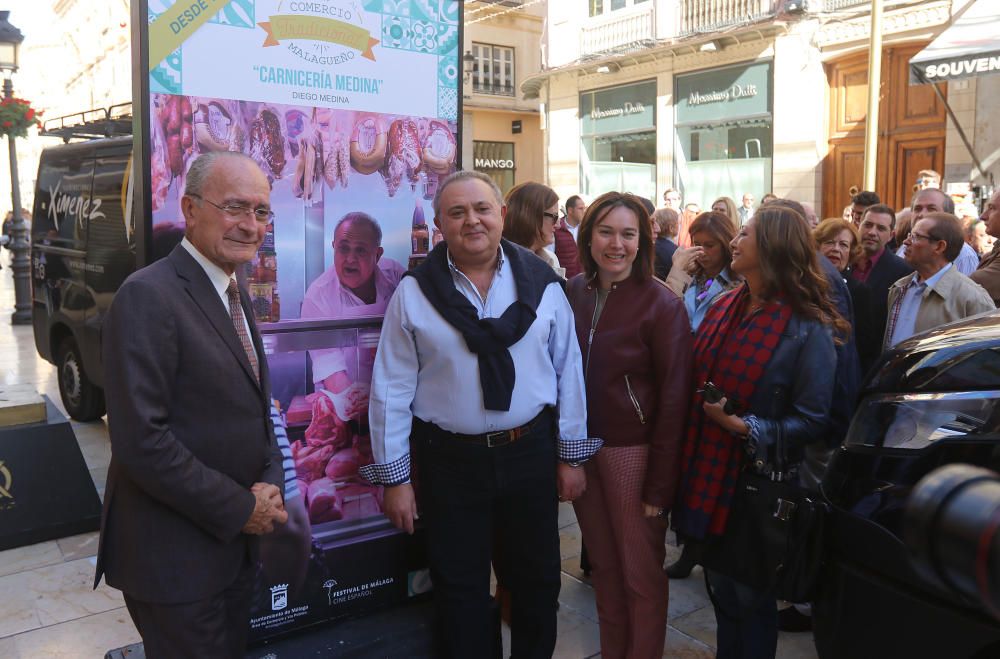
[{"x": 636, "y": 343}]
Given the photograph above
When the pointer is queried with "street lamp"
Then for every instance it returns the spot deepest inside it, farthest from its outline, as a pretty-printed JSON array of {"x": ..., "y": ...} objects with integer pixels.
[{"x": 10, "y": 44}]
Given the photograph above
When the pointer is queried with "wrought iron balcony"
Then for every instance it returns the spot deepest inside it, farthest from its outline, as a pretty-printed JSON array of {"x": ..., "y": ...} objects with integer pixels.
[{"x": 494, "y": 89}]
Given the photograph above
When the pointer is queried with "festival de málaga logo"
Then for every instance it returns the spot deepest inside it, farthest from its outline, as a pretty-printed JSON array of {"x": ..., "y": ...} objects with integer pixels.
[{"x": 324, "y": 32}]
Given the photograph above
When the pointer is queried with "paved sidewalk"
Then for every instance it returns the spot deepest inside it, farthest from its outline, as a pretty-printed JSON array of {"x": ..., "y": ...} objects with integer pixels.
[{"x": 48, "y": 608}]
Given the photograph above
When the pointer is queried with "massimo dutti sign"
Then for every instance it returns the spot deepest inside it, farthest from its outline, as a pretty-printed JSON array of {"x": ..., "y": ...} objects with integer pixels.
[
  {"x": 617, "y": 109},
  {"x": 720, "y": 94}
]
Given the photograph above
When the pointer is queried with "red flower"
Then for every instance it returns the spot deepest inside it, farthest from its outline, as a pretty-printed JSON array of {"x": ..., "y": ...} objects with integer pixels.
[
  {"x": 7, "y": 124},
  {"x": 30, "y": 114}
]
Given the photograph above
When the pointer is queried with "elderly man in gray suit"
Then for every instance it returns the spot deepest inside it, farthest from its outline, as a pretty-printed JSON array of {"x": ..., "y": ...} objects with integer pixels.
[{"x": 195, "y": 472}]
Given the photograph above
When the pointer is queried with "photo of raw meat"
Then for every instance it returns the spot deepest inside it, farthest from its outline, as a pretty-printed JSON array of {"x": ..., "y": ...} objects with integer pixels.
[
  {"x": 267, "y": 144},
  {"x": 402, "y": 157},
  {"x": 324, "y": 502}
]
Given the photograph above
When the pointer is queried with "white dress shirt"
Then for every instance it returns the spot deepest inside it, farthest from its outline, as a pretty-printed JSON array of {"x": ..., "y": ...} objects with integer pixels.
[
  {"x": 967, "y": 260},
  {"x": 220, "y": 281},
  {"x": 424, "y": 369},
  {"x": 906, "y": 320},
  {"x": 326, "y": 298}
]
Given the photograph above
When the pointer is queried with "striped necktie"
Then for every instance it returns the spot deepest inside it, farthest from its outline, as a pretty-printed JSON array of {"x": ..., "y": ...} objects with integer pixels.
[{"x": 240, "y": 325}]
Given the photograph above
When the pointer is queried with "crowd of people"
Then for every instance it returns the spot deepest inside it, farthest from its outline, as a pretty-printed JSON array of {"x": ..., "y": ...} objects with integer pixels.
[{"x": 530, "y": 358}]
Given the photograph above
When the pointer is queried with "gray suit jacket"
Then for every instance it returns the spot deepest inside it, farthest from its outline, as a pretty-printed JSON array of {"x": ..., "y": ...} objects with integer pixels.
[{"x": 190, "y": 433}]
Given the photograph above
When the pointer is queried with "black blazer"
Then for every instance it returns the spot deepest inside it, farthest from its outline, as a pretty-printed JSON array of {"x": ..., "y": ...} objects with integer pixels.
[
  {"x": 663, "y": 249},
  {"x": 190, "y": 433},
  {"x": 888, "y": 269}
]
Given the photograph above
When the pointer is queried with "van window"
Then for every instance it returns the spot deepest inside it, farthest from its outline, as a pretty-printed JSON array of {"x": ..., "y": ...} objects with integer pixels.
[
  {"x": 110, "y": 241},
  {"x": 62, "y": 200}
]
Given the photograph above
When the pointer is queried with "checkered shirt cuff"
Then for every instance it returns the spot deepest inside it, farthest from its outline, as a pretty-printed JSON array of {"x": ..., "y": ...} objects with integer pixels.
[
  {"x": 388, "y": 474},
  {"x": 579, "y": 450},
  {"x": 753, "y": 427}
]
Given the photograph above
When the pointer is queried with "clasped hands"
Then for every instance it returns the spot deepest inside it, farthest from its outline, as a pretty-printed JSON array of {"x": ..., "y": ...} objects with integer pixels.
[{"x": 268, "y": 509}]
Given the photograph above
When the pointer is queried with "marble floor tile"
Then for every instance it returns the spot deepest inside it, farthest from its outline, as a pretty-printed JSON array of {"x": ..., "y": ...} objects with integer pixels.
[
  {"x": 567, "y": 515},
  {"x": 569, "y": 541},
  {"x": 8, "y": 648},
  {"x": 28, "y": 557},
  {"x": 54, "y": 594},
  {"x": 89, "y": 637},
  {"x": 79, "y": 546},
  {"x": 699, "y": 625},
  {"x": 578, "y": 636},
  {"x": 687, "y": 595},
  {"x": 577, "y": 597},
  {"x": 682, "y": 646},
  {"x": 571, "y": 566}
]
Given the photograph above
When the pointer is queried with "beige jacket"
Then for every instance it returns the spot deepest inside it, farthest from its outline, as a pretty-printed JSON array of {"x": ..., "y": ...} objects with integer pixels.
[
  {"x": 987, "y": 274},
  {"x": 951, "y": 298}
]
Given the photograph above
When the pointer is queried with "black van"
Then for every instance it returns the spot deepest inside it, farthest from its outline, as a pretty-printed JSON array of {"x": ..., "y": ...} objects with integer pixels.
[
  {"x": 934, "y": 401},
  {"x": 82, "y": 249}
]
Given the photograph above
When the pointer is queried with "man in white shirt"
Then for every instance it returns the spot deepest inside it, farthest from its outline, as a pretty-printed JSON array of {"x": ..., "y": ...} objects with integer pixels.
[
  {"x": 478, "y": 374},
  {"x": 937, "y": 293},
  {"x": 745, "y": 211},
  {"x": 934, "y": 200}
]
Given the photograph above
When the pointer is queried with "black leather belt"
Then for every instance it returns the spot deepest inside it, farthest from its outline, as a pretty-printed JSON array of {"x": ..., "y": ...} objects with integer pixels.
[{"x": 498, "y": 438}]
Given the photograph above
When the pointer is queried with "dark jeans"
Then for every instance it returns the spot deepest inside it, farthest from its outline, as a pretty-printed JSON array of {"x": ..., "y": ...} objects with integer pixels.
[
  {"x": 746, "y": 619},
  {"x": 471, "y": 496}
]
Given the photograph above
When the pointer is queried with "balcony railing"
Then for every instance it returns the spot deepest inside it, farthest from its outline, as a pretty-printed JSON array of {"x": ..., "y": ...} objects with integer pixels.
[
  {"x": 494, "y": 89},
  {"x": 620, "y": 32},
  {"x": 834, "y": 5},
  {"x": 709, "y": 15}
]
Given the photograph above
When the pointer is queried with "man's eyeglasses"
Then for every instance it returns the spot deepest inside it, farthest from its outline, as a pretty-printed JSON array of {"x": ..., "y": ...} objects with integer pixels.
[
  {"x": 913, "y": 235},
  {"x": 551, "y": 216},
  {"x": 262, "y": 215}
]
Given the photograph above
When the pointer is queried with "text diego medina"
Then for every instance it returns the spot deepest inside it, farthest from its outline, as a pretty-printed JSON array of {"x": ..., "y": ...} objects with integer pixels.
[{"x": 194, "y": 10}]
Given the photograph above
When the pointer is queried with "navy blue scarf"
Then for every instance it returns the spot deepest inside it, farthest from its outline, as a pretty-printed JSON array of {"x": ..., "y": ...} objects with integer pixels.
[{"x": 488, "y": 338}]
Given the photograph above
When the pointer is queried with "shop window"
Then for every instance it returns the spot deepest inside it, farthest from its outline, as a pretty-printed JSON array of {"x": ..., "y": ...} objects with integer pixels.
[
  {"x": 493, "y": 72},
  {"x": 618, "y": 139},
  {"x": 724, "y": 132}
]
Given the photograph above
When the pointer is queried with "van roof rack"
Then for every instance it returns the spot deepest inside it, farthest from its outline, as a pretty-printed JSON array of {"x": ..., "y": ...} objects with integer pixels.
[{"x": 112, "y": 121}]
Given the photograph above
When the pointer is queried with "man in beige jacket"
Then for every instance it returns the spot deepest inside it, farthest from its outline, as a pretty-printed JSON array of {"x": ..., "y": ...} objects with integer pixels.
[
  {"x": 937, "y": 293},
  {"x": 987, "y": 274}
]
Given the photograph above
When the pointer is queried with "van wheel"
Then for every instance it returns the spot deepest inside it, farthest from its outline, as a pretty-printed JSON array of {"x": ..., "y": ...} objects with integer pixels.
[{"x": 83, "y": 400}]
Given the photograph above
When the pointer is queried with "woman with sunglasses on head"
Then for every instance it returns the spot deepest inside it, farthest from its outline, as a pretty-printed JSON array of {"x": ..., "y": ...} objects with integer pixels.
[
  {"x": 768, "y": 346},
  {"x": 530, "y": 218},
  {"x": 701, "y": 273},
  {"x": 636, "y": 343}
]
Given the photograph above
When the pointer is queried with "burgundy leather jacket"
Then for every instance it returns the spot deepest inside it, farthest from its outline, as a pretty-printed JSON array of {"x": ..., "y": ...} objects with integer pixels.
[
  {"x": 637, "y": 366},
  {"x": 566, "y": 251}
]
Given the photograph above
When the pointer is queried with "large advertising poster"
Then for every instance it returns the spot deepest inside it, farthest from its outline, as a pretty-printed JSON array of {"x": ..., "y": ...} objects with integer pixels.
[{"x": 351, "y": 108}]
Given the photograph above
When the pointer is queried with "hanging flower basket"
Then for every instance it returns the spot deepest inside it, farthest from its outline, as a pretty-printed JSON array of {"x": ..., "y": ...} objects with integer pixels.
[{"x": 16, "y": 116}]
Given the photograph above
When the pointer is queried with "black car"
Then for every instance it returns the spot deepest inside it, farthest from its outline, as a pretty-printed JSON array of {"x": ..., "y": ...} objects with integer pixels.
[
  {"x": 934, "y": 400},
  {"x": 82, "y": 249}
]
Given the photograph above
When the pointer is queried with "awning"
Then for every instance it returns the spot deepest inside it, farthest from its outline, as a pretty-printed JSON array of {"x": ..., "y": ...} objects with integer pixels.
[{"x": 969, "y": 47}]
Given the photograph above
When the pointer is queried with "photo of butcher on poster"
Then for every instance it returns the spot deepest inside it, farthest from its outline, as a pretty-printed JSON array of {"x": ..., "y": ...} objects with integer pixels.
[{"x": 351, "y": 192}]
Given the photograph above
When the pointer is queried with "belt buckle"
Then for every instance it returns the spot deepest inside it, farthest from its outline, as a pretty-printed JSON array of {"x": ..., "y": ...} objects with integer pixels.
[{"x": 502, "y": 438}]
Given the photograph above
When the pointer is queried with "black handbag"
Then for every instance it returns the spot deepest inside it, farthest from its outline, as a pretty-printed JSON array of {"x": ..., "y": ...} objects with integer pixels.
[{"x": 774, "y": 536}]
